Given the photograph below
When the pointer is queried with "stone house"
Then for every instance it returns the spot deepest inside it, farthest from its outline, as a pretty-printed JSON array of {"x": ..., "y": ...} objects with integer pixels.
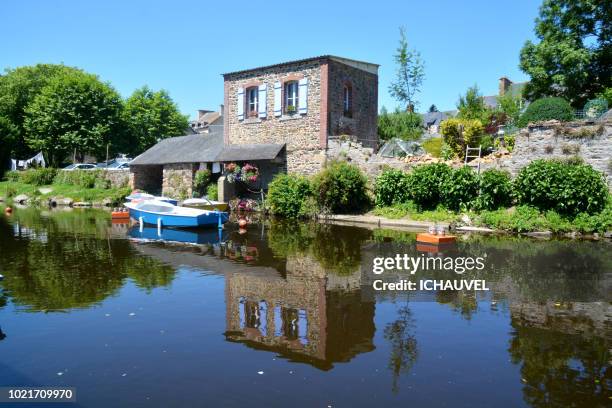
[{"x": 302, "y": 104}]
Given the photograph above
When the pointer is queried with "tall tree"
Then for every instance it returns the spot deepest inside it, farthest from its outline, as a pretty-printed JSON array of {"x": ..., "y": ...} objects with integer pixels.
[
  {"x": 74, "y": 112},
  {"x": 573, "y": 58},
  {"x": 472, "y": 106},
  {"x": 18, "y": 88},
  {"x": 409, "y": 75},
  {"x": 8, "y": 138},
  {"x": 152, "y": 116}
]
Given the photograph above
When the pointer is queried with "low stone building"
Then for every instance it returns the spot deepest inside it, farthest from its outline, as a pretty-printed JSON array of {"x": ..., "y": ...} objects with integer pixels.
[{"x": 301, "y": 104}]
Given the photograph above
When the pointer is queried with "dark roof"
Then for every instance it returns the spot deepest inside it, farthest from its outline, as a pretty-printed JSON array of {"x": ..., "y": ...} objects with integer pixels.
[
  {"x": 434, "y": 118},
  {"x": 321, "y": 57},
  {"x": 201, "y": 147},
  {"x": 490, "y": 101},
  {"x": 250, "y": 152}
]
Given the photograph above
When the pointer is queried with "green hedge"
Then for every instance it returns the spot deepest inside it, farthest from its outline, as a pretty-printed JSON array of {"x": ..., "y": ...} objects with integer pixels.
[
  {"x": 459, "y": 189},
  {"x": 81, "y": 178},
  {"x": 287, "y": 195},
  {"x": 495, "y": 190},
  {"x": 547, "y": 109},
  {"x": 564, "y": 187},
  {"x": 425, "y": 184},
  {"x": 392, "y": 187},
  {"x": 37, "y": 177},
  {"x": 341, "y": 188}
]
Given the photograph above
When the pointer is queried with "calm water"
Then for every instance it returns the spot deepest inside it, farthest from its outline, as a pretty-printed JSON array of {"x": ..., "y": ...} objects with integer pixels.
[{"x": 283, "y": 315}]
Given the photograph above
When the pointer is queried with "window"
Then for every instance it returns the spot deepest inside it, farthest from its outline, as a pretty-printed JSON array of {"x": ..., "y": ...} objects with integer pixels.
[
  {"x": 291, "y": 97},
  {"x": 347, "y": 101},
  {"x": 252, "y": 101}
]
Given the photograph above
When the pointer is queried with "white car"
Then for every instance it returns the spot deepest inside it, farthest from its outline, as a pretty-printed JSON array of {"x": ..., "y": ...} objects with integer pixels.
[{"x": 80, "y": 166}]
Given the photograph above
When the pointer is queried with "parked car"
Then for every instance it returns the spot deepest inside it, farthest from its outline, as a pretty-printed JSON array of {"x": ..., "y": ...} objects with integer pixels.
[
  {"x": 119, "y": 163},
  {"x": 80, "y": 166}
]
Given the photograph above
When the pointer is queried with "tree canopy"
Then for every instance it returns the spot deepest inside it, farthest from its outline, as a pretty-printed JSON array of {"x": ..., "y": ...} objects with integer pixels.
[
  {"x": 75, "y": 111},
  {"x": 152, "y": 116},
  {"x": 409, "y": 76},
  {"x": 573, "y": 58}
]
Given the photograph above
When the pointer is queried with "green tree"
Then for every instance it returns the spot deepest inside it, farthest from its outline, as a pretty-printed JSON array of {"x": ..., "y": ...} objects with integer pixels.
[
  {"x": 573, "y": 58},
  {"x": 404, "y": 125},
  {"x": 410, "y": 74},
  {"x": 74, "y": 112},
  {"x": 8, "y": 138},
  {"x": 18, "y": 88},
  {"x": 510, "y": 105},
  {"x": 152, "y": 116},
  {"x": 472, "y": 106}
]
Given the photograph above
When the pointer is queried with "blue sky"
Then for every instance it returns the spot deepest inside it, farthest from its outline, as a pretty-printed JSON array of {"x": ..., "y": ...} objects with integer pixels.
[{"x": 185, "y": 46}]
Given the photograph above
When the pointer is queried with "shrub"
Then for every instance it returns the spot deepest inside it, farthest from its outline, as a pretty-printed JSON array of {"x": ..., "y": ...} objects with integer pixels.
[
  {"x": 433, "y": 146},
  {"x": 38, "y": 177},
  {"x": 212, "y": 192},
  {"x": 547, "y": 109},
  {"x": 560, "y": 186},
  {"x": 287, "y": 195},
  {"x": 595, "y": 108},
  {"x": 404, "y": 125},
  {"x": 12, "y": 176},
  {"x": 459, "y": 189},
  {"x": 425, "y": 183},
  {"x": 495, "y": 190},
  {"x": 81, "y": 178},
  {"x": 200, "y": 181},
  {"x": 460, "y": 133},
  {"x": 341, "y": 188},
  {"x": 392, "y": 187}
]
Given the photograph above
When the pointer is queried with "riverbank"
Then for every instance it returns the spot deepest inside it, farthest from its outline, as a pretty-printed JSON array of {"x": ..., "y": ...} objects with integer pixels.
[{"x": 60, "y": 194}]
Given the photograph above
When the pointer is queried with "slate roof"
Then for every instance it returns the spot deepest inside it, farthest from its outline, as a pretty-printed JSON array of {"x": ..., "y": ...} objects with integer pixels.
[
  {"x": 250, "y": 152},
  {"x": 203, "y": 148},
  {"x": 434, "y": 118},
  {"x": 348, "y": 61}
]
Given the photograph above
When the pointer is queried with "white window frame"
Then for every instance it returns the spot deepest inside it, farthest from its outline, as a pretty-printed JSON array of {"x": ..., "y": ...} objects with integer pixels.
[
  {"x": 347, "y": 100},
  {"x": 252, "y": 100},
  {"x": 292, "y": 95}
]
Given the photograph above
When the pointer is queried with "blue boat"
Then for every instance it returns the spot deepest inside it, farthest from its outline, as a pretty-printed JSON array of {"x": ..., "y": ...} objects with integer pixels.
[
  {"x": 164, "y": 214},
  {"x": 188, "y": 236},
  {"x": 145, "y": 196}
]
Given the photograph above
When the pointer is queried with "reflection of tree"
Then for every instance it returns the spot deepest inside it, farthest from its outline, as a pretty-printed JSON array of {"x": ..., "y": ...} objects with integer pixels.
[
  {"x": 404, "y": 350},
  {"x": 561, "y": 369},
  {"x": 66, "y": 260},
  {"x": 463, "y": 302}
]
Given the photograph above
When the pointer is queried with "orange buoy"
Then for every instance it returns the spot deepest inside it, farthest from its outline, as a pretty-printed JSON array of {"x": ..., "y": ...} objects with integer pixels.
[
  {"x": 242, "y": 223},
  {"x": 8, "y": 210}
]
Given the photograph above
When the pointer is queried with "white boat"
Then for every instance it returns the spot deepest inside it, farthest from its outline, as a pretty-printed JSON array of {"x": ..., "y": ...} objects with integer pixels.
[
  {"x": 147, "y": 196},
  {"x": 164, "y": 214},
  {"x": 205, "y": 204}
]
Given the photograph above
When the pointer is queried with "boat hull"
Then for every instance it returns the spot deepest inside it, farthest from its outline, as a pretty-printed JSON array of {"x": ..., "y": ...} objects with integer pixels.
[
  {"x": 170, "y": 220},
  {"x": 188, "y": 236},
  {"x": 210, "y": 207}
]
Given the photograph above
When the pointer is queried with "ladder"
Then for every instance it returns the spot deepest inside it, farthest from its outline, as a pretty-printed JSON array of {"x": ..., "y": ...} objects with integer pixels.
[{"x": 473, "y": 150}]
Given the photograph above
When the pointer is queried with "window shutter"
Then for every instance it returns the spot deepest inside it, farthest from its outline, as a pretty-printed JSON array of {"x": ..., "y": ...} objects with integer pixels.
[
  {"x": 240, "y": 102},
  {"x": 262, "y": 100},
  {"x": 303, "y": 96},
  {"x": 278, "y": 104}
]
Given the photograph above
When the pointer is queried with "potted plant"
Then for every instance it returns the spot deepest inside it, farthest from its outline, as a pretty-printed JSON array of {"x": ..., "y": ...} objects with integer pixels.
[
  {"x": 291, "y": 110},
  {"x": 250, "y": 173},
  {"x": 252, "y": 114},
  {"x": 232, "y": 171}
]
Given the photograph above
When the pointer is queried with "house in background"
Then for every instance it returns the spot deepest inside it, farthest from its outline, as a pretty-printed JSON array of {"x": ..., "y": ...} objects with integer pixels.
[
  {"x": 301, "y": 105},
  {"x": 207, "y": 120},
  {"x": 506, "y": 86}
]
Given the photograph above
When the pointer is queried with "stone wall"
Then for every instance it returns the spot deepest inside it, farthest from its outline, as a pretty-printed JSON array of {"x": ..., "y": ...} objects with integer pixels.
[
  {"x": 118, "y": 178},
  {"x": 363, "y": 121},
  {"x": 178, "y": 180},
  {"x": 591, "y": 142}
]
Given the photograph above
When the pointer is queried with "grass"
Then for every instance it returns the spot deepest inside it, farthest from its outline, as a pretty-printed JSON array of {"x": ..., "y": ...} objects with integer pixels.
[
  {"x": 409, "y": 210},
  {"x": 433, "y": 146},
  {"x": 9, "y": 189}
]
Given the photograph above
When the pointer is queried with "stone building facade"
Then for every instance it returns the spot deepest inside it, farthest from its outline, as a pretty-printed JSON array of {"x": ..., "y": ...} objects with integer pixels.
[{"x": 301, "y": 104}]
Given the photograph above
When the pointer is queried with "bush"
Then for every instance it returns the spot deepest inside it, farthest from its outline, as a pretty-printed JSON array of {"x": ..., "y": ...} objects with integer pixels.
[
  {"x": 212, "y": 192},
  {"x": 81, "y": 178},
  {"x": 200, "y": 181},
  {"x": 459, "y": 189},
  {"x": 287, "y": 195},
  {"x": 495, "y": 190},
  {"x": 341, "y": 188},
  {"x": 12, "y": 176},
  {"x": 425, "y": 183},
  {"x": 560, "y": 186},
  {"x": 460, "y": 133},
  {"x": 38, "y": 177},
  {"x": 595, "y": 108},
  {"x": 433, "y": 146},
  {"x": 392, "y": 187},
  {"x": 547, "y": 109},
  {"x": 404, "y": 125}
]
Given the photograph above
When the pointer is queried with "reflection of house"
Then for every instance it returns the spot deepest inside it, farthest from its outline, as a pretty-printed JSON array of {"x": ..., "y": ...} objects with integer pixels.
[{"x": 298, "y": 316}]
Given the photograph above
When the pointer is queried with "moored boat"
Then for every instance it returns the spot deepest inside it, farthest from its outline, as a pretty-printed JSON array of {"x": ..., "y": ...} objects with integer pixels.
[
  {"x": 146, "y": 196},
  {"x": 205, "y": 204},
  {"x": 167, "y": 215}
]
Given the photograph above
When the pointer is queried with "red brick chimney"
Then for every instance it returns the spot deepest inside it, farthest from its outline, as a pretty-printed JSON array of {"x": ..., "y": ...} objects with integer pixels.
[{"x": 504, "y": 85}]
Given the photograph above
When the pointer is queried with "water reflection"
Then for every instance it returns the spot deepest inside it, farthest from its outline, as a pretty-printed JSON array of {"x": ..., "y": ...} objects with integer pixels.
[{"x": 303, "y": 292}]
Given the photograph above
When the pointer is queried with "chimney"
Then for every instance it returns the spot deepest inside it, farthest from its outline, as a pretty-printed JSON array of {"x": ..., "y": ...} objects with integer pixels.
[
  {"x": 221, "y": 109},
  {"x": 504, "y": 85}
]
